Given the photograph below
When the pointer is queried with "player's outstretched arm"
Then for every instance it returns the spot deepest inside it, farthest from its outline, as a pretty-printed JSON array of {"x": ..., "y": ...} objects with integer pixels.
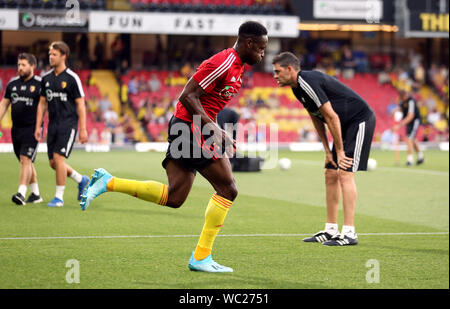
[
  {"x": 41, "y": 110},
  {"x": 190, "y": 98},
  {"x": 81, "y": 110},
  {"x": 4, "y": 107}
]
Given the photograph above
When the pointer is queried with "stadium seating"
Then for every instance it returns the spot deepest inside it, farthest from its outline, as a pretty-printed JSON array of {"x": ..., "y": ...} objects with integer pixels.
[
  {"x": 274, "y": 7},
  {"x": 292, "y": 119},
  {"x": 212, "y": 6},
  {"x": 52, "y": 4},
  {"x": 290, "y": 116}
]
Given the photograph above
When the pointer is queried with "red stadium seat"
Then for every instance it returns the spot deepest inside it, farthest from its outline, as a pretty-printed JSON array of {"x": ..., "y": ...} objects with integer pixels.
[{"x": 378, "y": 97}]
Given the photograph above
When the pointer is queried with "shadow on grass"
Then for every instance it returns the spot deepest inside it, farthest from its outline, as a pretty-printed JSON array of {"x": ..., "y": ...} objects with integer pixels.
[
  {"x": 200, "y": 280},
  {"x": 147, "y": 210}
]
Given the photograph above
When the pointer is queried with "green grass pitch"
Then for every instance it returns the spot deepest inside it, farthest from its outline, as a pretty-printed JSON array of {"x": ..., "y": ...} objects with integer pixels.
[{"x": 402, "y": 219}]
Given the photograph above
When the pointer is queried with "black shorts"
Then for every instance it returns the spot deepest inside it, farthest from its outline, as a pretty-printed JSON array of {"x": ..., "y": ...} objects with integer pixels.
[
  {"x": 189, "y": 146},
  {"x": 357, "y": 139},
  {"x": 412, "y": 128},
  {"x": 60, "y": 140},
  {"x": 24, "y": 142}
]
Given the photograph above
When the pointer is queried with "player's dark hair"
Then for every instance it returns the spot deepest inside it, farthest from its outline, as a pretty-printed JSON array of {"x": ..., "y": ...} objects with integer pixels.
[
  {"x": 28, "y": 57},
  {"x": 286, "y": 59},
  {"x": 251, "y": 29},
  {"x": 62, "y": 47}
]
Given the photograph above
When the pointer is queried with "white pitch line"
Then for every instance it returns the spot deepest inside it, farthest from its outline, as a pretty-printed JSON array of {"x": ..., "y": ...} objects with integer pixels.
[
  {"x": 229, "y": 235},
  {"x": 389, "y": 169},
  {"x": 414, "y": 171}
]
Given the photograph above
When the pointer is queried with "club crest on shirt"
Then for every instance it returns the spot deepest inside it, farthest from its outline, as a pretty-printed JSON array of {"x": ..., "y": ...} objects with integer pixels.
[
  {"x": 228, "y": 92},
  {"x": 63, "y": 85},
  {"x": 32, "y": 88}
]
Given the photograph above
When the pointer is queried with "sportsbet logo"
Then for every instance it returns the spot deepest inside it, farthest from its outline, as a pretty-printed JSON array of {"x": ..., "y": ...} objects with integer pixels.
[
  {"x": 228, "y": 92},
  {"x": 44, "y": 19},
  {"x": 28, "y": 19},
  {"x": 50, "y": 95},
  {"x": 15, "y": 98}
]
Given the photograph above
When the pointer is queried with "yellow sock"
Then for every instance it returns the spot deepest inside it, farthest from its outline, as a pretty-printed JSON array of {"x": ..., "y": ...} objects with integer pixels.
[
  {"x": 214, "y": 217},
  {"x": 151, "y": 191}
]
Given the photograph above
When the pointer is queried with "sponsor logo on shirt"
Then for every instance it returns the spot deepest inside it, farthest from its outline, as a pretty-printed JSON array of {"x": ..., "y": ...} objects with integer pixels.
[
  {"x": 50, "y": 95},
  {"x": 15, "y": 98},
  {"x": 228, "y": 92}
]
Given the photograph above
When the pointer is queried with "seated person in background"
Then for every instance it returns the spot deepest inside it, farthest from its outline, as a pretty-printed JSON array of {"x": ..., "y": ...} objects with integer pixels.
[
  {"x": 104, "y": 104},
  {"x": 128, "y": 128},
  {"x": 133, "y": 86},
  {"x": 142, "y": 85},
  {"x": 154, "y": 84},
  {"x": 111, "y": 121}
]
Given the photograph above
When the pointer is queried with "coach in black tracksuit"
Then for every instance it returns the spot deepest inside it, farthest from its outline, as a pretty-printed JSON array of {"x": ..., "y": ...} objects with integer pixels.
[
  {"x": 61, "y": 92},
  {"x": 350, "y": 121},
  {"x": 62, "y": 95},
  {"x": 22, "y": 93}
]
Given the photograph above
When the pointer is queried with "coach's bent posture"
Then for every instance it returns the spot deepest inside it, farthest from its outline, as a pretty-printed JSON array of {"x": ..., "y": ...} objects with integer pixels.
[{"x": 351, "y": 122}]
